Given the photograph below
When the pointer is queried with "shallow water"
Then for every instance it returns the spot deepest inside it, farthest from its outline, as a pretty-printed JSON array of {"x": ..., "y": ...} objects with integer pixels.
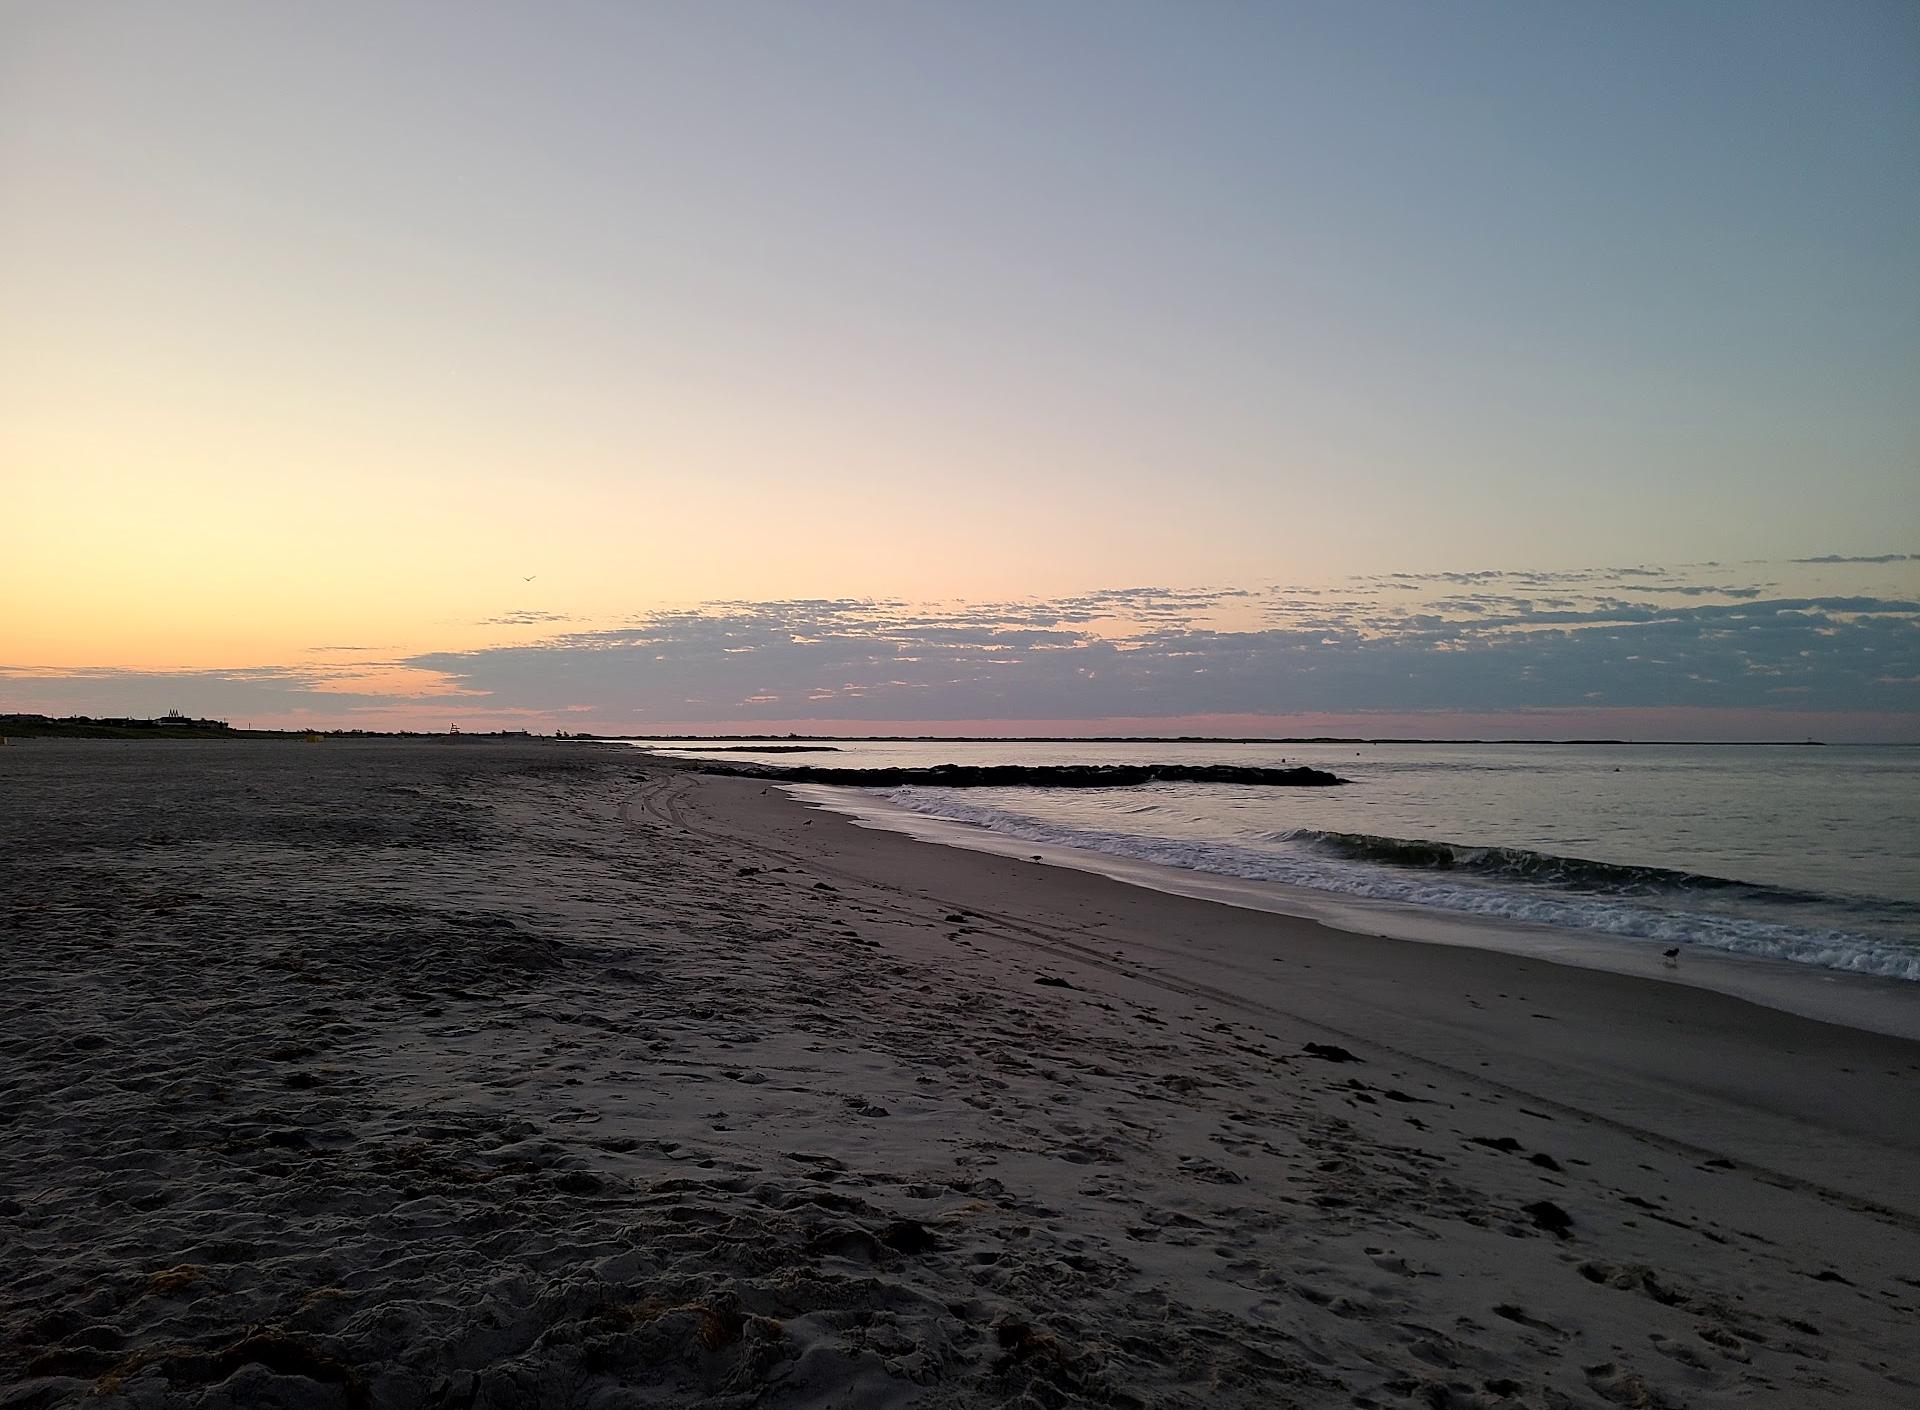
[{"x": 1808, "y": 854}]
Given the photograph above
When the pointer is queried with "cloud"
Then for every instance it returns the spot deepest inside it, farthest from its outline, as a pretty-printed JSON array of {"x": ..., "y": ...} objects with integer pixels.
[
  {"x": 237, "y": 694},
  {"x": 1490, "y": 641},
  {"x": 856, "y": 660},
  {"x": 524, "y": 619},
  {"x": 1875, "y": 558}
]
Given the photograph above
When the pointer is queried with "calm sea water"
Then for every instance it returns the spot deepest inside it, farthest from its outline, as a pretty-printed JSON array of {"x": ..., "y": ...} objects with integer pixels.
[{"x": 1808, "y": 854}]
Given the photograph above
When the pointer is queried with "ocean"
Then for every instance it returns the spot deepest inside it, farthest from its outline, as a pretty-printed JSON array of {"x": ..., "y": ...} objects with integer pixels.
[{"x": 1805, "y": 854}]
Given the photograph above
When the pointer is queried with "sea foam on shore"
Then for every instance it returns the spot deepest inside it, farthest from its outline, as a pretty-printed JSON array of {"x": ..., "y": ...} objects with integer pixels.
[{"x": 1510, "y": 884}]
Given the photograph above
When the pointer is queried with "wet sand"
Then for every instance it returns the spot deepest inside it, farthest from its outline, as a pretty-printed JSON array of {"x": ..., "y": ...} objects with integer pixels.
[{"x": 490, "y": 1074}]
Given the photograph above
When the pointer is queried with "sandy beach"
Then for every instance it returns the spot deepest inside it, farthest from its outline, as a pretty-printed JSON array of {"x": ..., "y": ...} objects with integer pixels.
[{"x": 484, "y": 1074}]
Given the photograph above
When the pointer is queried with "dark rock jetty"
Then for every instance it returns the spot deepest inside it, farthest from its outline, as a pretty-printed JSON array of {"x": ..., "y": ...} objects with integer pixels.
[
  {"x": 1030, "y": 775},
  {"x": 752, "y": 748}
]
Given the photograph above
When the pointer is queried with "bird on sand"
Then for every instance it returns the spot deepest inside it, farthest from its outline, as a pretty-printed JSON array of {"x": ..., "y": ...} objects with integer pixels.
[{"x": 1672, "y": 957}]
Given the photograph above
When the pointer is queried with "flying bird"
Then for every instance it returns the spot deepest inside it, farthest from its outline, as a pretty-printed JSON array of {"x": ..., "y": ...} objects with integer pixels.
[{"x": 529, "y": 577}]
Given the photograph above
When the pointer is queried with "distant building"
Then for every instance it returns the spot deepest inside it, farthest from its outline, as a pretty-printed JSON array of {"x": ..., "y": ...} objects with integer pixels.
[{"x": 173, "y": 719}]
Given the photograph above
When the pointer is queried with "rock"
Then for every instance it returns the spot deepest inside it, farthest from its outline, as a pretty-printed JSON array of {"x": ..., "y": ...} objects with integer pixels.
[
  {"x": 1032, "y": 775},
  {"x": 755, "y": 748}
]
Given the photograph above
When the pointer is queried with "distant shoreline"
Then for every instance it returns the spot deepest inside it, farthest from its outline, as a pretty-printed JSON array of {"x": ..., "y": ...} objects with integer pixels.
[
  {"x": 737, "y": 739},
  {"x": 15, "y": 726}
]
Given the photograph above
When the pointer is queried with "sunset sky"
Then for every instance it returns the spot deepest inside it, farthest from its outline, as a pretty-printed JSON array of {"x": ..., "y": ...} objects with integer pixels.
[{"x": 1378, "y": 368}]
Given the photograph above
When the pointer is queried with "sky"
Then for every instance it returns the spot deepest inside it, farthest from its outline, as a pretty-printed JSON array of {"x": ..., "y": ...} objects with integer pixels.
[{"x": 1379, "y": 368}]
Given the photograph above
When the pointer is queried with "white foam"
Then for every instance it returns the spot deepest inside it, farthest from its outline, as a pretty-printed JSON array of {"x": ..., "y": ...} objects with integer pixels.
[{"x": 1296, "y": 866}]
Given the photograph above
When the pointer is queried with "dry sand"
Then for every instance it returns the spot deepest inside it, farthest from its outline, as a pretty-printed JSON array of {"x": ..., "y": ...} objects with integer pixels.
[{"x": 487, "y": 1074}]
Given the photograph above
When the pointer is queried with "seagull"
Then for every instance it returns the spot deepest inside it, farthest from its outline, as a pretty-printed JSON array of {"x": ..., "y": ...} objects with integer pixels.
[
  {"x": 1672, "y": 957},
  {"x": 529, "y": 577}
]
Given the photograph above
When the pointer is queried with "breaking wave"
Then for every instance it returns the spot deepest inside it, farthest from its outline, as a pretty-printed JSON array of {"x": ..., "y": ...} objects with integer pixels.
[
  {"x": 1540, "y": 868},
  {"x": 1506, "y": 883}
]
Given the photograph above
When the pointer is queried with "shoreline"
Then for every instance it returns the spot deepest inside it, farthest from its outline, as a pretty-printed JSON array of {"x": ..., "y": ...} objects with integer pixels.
[
  {"x": 692, "y": 740},
  {"x": 508, "y": 1073},
  {"x": 1363, "y": 984},
  {"x": 1872, "y": 1003}
]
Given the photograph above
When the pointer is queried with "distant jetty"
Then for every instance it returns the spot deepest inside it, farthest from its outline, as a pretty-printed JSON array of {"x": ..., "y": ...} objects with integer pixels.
[
  {"x": 1029, "y": 775},
  {"x": 757, "y": 748}
]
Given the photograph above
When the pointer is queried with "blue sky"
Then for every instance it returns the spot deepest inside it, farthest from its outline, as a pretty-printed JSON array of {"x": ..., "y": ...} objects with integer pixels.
[{"x": 343, "y": 321}]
